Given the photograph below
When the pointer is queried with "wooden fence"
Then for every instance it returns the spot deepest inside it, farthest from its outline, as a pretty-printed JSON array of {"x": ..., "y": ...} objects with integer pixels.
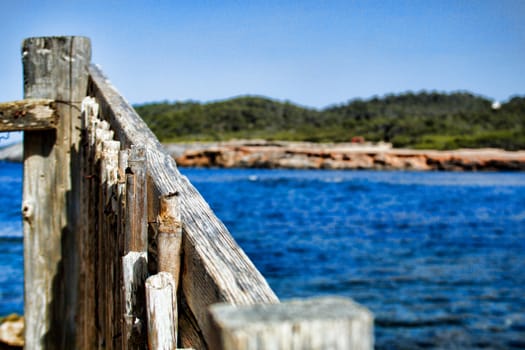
[{"x": 120, "y": 250}]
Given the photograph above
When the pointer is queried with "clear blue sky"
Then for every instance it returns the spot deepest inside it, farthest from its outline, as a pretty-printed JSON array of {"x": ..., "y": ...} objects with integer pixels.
[{"x": 314, "y": 53}]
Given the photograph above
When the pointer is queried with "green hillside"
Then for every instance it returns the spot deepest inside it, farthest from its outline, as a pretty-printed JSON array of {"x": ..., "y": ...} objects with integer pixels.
[{"x": 415, "y": 120}]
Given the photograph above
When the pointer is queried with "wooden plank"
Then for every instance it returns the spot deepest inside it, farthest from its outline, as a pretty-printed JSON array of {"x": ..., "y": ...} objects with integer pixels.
[
  {"x": 101, "y": 135},
  {"x": 117, "y": 287},
  {"x": 318, "y": 323},
  {"x": 109, "y": 178},
  {"x": 169, "y": 241},
  {"x": 29, "y": 114},
  {"x": 135, "y": 272},
  {"x": 102, "y": 174},
  {"x": 169, "y": 235},
  {"x": 87, "y": 327},
  {"x": 136, "y": 237},
  {"x": 216, "y": 268},
  {"x": 160, "y": 297},
  {"x": 54, "y": 68}
]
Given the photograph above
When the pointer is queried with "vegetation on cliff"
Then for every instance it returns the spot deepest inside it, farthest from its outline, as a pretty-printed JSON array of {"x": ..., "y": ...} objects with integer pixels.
[{"x": 425, "y": 120}]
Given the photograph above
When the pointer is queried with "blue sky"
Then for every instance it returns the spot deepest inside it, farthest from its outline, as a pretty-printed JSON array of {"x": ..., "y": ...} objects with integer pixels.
[{"x": 314, "y": 53}]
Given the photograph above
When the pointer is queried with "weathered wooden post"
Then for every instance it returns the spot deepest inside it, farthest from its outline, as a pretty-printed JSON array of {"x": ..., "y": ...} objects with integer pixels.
[
  {"x": 87, "y": 328},
  {"x": 135, "y": 272},
  {"x": 136, "y": 218},
  {"x": 161, "y": 317},
  {"x": 169, "y": 241},
  {"x": 134, "y": 263},
  {"x": 309, "y": 324},
  {"x": 55, "y": 68},
  {"x": 108, "y": 246}
]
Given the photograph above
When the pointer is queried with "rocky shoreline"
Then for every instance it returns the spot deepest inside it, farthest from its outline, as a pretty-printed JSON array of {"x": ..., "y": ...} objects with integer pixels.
[{"x": 304, "y": 155}]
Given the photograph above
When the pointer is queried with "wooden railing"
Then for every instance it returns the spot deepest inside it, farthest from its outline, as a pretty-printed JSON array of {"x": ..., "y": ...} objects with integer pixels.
[{"x": 120, "y": 250}]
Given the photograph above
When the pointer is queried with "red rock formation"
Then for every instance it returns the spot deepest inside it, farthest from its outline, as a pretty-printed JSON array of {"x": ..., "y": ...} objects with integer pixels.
[{"x": 296, "y": 155}]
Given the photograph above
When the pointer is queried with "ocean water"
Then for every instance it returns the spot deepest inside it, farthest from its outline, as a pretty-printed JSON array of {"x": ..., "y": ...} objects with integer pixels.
[
  {"x": 11, "y": 240},
  {"x": 438, "y": 257}
]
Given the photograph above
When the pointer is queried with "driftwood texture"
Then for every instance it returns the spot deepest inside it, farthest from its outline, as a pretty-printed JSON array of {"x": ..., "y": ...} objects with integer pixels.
[
  {"x": 30, "y": 114},
  {"x": 318, "y": 323},
  {"x": 136, "y": 219},
  {"x": 135, "y": 272},
  {"x": 54, "y": 68},
  {"x": 215, "y": 269},
  {"x": 160, "y": 297},
  {"x": 99, "y": 330},
  {"x": 89, "y": 198},
  {"x": 108, "y": 254},
  {"x": 169, "y": 241}
]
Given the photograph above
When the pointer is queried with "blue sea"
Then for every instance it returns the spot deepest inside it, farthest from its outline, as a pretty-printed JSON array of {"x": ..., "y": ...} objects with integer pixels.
[
  {"x": 11, "y": 239},
  {"x": 439, "y": 257}
]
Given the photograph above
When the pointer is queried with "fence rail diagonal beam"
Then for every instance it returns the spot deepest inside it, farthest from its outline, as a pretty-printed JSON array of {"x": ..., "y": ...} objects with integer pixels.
[{"x": 225, "y": 273}]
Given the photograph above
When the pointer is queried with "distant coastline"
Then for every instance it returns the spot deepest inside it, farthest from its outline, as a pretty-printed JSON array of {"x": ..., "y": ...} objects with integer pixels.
[
  {"x": 306, "y": 155},
  {"x": 423, "y": 120}
]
